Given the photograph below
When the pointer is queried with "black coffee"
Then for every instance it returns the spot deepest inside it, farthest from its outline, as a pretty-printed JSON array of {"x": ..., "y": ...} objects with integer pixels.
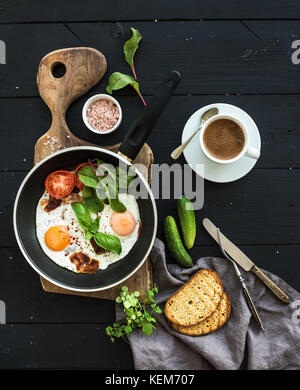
[{"x": 224, "y": 139}]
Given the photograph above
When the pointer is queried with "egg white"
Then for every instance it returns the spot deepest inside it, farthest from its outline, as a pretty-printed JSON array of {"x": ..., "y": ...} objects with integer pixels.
[{"x": 64, "y": 215}]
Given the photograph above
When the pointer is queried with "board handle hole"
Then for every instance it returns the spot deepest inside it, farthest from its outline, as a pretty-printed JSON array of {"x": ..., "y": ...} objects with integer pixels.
[{"x": 58, "y": 70}]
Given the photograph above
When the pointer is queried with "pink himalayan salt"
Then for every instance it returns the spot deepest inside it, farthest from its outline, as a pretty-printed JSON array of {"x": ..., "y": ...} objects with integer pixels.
[{"x": 103, "y": 115}]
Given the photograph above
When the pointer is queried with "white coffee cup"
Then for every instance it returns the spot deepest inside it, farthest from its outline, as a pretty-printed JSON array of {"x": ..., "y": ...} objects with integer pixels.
[{"x": 247, "y": 150}]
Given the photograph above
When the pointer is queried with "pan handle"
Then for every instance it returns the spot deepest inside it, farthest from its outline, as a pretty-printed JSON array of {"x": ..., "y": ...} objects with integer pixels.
[{"x": 143, "y": 125}]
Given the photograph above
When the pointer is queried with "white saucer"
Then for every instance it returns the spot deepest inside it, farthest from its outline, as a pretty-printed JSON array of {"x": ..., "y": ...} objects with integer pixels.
[{"x": 219, "y": 173}]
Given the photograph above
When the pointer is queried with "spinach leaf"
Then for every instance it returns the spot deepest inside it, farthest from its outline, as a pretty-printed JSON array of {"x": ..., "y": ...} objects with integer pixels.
[
  {"x": 88, "y": 181},
  {"x": 119, "y": 80},
  {"x": 117, "y": 205},
  {"x": 130, "y": 47},
  {"x": 88, "y": 177},
  {"x": 82, "y": 215},
  {"x": 87, "y": 171},
  {"x": 108, "y": 242},
  {"x": 92, "y": 202}
]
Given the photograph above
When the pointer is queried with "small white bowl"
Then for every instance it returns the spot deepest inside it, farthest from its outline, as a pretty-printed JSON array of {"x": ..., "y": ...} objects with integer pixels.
[{"x": 92, "y": 100}]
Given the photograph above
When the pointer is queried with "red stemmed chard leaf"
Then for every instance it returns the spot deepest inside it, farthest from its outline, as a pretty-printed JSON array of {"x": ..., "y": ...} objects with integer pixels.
[
  {"x": 119, "y": 80},
  {"x": 130, "y": 47}
]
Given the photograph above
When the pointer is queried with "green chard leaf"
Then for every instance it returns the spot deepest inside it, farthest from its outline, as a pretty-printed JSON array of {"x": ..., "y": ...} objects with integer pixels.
[
  {"x": 119, "y": 80},
  {"x": 88, "y": 181},
  {"x": 130, "y": 48},
  {"x": 108, "y": 242},
  {"x": 87, "y": 170},
  {"x": 82, "y": 215},
  {"x": 91, "y": 200},
  {"x": 88, "y": 177}
]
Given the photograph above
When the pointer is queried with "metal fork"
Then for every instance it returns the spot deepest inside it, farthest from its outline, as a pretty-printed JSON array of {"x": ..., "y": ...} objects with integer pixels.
[{"x": 245, "y": 289}]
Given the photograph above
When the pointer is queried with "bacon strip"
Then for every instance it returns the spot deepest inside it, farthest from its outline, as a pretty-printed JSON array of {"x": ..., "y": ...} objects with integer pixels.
[
  {"x": 52, "y": 204},
  {"x": 83, "y": 263},
  {"x": 97, "y": 248}
]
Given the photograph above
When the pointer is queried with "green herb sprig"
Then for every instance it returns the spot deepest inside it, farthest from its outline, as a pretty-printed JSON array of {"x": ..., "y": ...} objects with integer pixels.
[
  {"x": 138, "y": 314},
  {"x": 119, "y": 80}
]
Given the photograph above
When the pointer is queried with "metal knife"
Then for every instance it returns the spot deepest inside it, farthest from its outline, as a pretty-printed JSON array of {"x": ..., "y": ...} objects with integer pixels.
[
  {"x": 245, "y": 289},
  {"x": 244, "y": 261}
]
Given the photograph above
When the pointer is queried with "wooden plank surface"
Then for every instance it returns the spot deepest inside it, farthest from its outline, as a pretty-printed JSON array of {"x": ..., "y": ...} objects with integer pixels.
[
  {"x": 61, "y": 346},
  {"x": 214, "y": 57},
  {"x": 93, "y": 10},
  {"x": 277, "y": 118}
]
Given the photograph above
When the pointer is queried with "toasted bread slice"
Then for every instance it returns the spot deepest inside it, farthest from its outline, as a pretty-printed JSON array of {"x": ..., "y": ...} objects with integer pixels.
[
  {"x": 196, "y": 300},
  {"x": 211, "y": 324}
]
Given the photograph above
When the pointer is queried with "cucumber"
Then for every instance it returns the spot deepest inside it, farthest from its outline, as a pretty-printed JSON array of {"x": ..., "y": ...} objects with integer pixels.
[
  {"x": 175, "y": 244},
  {"x": 187, "y": 221}
]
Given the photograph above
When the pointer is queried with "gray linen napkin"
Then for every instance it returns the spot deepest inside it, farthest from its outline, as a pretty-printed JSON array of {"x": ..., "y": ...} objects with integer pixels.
[{"x": 239, "y": 343}]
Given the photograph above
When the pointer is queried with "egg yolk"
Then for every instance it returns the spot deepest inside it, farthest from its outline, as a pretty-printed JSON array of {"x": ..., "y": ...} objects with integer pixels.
[
  {"x": 122, "y": 223},
  {"x": 57, "y": 238}
]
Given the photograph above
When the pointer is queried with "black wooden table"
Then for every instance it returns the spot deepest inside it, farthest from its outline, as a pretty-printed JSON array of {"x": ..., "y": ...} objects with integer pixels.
[{"x": 236, "y": 52}]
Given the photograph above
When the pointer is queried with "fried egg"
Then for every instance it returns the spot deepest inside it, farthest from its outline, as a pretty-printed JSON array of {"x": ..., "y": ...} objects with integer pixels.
[{"x": 60, "y": 235}]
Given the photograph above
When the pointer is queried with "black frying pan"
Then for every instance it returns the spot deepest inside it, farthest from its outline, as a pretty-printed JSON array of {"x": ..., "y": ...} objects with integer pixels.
[{"x": 32, "y": 189}]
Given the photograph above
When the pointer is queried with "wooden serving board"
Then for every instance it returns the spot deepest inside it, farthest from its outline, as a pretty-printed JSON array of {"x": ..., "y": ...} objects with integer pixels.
[{"x": 84, "y": 68}]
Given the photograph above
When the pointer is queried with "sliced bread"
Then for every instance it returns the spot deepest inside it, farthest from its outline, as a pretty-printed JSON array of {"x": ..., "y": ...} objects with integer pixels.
[
  {"x": 212, "y": 323},
  {"x": 196, "y": 300}
]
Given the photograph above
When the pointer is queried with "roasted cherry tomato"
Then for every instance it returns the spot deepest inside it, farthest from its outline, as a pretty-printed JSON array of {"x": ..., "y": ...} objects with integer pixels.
[
  {"x": 60, "y": 184},
  {"x": 77, "y": 181}
]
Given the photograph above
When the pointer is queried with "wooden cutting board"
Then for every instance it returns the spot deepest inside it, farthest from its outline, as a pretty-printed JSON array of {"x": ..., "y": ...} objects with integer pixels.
[{"x": 84, "y": 67}]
